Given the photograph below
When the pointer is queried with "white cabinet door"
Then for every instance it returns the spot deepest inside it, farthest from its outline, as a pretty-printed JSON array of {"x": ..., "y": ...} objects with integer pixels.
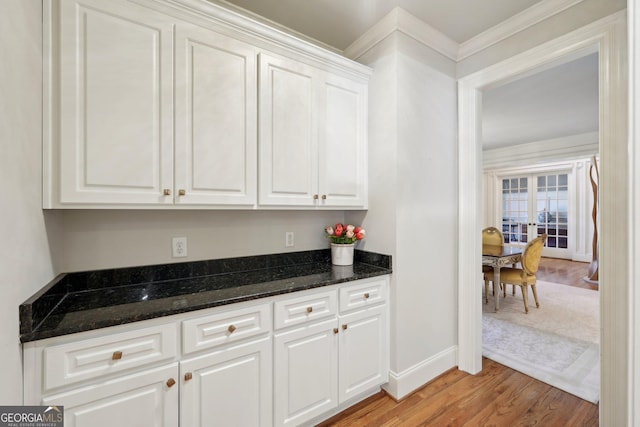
[
  {"x": 305, "y": 372},
  {"x": 313, "y": 135},
  {"x": 343, "y": 143},
  {"x": 288, "y": 133},
  {"x": 364, "y": 360},
  {"x": 230, "y": 387},
  {"x": 216, "y": 114},
  {"x": 116, "y": 113},
  {"x": 144, "y": 399}
]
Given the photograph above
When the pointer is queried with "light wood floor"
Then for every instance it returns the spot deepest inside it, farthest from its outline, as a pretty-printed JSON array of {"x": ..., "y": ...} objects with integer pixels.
[{"x": 497, "y": 396}]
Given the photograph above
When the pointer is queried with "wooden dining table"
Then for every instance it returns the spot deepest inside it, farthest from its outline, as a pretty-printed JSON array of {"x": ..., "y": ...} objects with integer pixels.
[{"x": 498, "y": 257}]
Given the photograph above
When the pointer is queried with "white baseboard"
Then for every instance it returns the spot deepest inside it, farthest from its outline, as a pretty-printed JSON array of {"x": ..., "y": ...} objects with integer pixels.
[{"x": 403, "y": 383}]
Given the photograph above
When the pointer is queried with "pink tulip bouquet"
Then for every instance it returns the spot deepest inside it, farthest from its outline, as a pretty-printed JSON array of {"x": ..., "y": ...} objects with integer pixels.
[{"x": 344, "y": 234}]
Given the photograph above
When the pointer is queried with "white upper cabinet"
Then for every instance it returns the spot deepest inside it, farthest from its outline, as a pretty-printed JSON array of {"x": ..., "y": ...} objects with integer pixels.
[
  {"x": 115, "y": 103},
  {"x": 216, "y": 97},
  {"x": 342, "y": 165},
  {"x": 288, "y": 132},
  {"x": 150, "y": 105},
  {"x": 312, "y": 136}
]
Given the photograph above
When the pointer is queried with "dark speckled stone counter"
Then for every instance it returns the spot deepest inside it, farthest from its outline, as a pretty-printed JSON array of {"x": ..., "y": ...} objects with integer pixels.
[{"x": 76, "y": 302}]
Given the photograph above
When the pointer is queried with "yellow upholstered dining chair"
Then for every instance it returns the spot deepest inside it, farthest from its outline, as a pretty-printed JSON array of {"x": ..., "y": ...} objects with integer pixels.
[
  {"x": 525, "y": 276},
  {"x": 490, "y": 236}
]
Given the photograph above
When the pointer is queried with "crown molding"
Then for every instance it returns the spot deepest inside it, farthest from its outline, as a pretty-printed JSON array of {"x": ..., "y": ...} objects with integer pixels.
[
  {"x": 566, "y": 148},
  {"x": 525, "y": 19},
  {"x": 401, "y": 20},
  {"x": 397, "y": 20},
  {"x": 426, "y": 34},
  {"x": 250, "y": 28},
  {"x": 273, "y": 24}
]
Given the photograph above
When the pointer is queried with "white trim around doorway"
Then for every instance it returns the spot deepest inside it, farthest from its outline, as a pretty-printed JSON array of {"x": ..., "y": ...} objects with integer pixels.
[{"x": 606, "y": 36}]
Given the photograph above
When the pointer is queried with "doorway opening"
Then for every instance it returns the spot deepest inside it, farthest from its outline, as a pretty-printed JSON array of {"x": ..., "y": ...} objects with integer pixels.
[
  {"x": 605, "y": 37},
  {"x": 557, "y": 339}
]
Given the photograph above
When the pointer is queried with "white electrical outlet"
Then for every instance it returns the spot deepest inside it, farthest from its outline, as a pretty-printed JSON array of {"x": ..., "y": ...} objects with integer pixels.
[
  {"x": 179, "y": 247},
  {"x": 288, "y": 239}
]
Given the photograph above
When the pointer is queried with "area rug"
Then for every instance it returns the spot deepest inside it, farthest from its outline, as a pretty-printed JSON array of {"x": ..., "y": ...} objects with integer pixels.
[{"x": 557, "y": 343}]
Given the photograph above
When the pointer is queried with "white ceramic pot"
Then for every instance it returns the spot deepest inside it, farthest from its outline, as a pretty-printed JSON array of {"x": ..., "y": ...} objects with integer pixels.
[{"x": 342, "y": 254}]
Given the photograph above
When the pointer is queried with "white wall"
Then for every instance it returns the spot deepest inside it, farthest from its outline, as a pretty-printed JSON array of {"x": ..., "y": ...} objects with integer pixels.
[
  {"x": 117, "y": 238},
  {"x": 426, "y": 204},
  {"x": 412, "y": 203},
  {"x": 634, "y": 127},
  {"x": 380, "y": 219},
  {"x": 25, "y": 259}
]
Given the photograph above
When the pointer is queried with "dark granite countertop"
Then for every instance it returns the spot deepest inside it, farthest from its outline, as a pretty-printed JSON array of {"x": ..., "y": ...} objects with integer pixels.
[{"x": 83, "y": 301}]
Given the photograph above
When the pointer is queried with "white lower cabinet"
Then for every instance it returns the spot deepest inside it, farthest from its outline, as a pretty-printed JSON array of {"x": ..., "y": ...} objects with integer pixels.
[
  {"x": 305, "y": 372},
  {"x": 283, "y": 361},
  {"x": 143, "y": 399},
  {"x": 363, "y": 352},
  {"x": 321, "y": 365},
  {"x": 229, "y": 387}
]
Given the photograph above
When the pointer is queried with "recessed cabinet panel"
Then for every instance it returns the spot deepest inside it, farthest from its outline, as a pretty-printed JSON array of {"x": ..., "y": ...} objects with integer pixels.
[
  {"x": 116, "y": 103},
  {"x": 141, "y": 399},
  {"x": 288, "y": 136},
  {"x": 295, "y": 311},
  {"x": 229, "y": 387},
  {"x": 216, "y": 104},
  {"x": 306, "y": 369},
  {"x": 77, "y": 361},
  {"x": 342, "y": 145},
  {"x": 223, "y": 328},
  {"x": 363, "y": 351},
  {"x": 365, "y": 294},
  {"x": 292, "y": 139}
]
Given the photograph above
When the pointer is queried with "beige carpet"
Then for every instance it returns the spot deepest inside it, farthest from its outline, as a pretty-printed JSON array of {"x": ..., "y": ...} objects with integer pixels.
[{"x": 557, "y": 343}]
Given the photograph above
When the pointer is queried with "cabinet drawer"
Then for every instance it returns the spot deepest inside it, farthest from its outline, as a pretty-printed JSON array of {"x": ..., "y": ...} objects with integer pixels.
[
  {"x": 95, "y": 357},
  {"x": 363, "y": 295},
  {"x": 225, "y": 327},
  {"x": 294, "y": 311}
]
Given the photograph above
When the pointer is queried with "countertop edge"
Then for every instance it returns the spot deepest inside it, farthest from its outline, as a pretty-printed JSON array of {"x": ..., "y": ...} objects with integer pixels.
[{"x": 376, "y": 265}]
